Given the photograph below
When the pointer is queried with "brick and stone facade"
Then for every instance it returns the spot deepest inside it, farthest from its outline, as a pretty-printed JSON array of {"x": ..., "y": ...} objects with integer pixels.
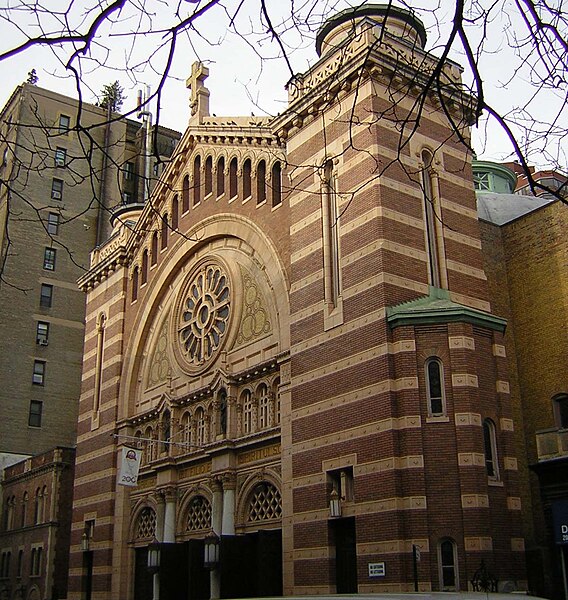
[{"x": 299, "y": 319}]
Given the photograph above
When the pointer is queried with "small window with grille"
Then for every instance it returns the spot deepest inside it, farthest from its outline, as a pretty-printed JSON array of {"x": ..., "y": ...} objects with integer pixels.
[{"x": 265, "y": 503}]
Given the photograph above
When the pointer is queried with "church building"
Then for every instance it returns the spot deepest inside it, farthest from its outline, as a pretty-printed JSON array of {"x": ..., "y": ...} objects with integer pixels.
[{"x": 296, "y": 333}]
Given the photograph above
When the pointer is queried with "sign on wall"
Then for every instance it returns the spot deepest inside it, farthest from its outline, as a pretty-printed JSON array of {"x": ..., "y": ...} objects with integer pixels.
[{"x": 560, "y": 521}]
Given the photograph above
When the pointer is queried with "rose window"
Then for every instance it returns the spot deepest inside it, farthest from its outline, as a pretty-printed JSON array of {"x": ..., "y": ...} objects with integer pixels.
[{"x": 204, "y": 314}]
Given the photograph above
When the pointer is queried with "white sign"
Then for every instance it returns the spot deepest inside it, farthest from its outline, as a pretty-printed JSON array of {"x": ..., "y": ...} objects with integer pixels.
[
  {"x": 129, "y": 466},
  {"x": 377, "y": 569}
]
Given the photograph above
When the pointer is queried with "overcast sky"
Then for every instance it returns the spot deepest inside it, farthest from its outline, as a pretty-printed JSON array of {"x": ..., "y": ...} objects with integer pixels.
[{"x": 247, "y": 72}]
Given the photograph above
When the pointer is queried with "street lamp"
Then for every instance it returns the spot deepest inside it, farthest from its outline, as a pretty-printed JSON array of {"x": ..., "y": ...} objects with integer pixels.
[
  {"x": 154, "y": 556},
  {"x": 85, "y": 542},
  {"x": 334, "y": 504},
  {"x": 211, "y": 554}
]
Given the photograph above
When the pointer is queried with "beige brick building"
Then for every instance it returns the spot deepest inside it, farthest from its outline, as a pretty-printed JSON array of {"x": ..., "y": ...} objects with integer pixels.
[
  {"x": 298, "y": 336},
  {"x": 60, "y": 177}
]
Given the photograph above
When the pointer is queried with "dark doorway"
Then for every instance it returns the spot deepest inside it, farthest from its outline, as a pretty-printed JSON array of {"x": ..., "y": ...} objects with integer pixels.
[
  {"x": 142, "y": 579},
  {"x": 198, "y": 575},
  {"x": 251, "y": 565},
  {"x": 343, "y": 532},
  {"x": 88, "y": 574}
]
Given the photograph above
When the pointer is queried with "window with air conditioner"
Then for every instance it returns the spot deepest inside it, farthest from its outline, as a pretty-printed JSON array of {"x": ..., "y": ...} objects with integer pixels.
[{"x": 42, "y": 333}]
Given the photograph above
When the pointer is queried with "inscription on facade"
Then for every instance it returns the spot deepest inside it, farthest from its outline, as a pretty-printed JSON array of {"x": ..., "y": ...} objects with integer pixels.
[{"x": 259, "y": 454}]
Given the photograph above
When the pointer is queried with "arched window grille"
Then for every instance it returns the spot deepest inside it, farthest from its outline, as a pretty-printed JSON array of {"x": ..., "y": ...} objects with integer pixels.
[
  {"x": 208, "y": 176},
  {"x": 198, "y": 514},
  {"x": 185, "y": 195},
  {"x": 490, "y": 449},
  {"x": 276, "y": 184},
  {"x": 197, "y": 180},
  {"x": 146, "y": 525},
  {"x": 435, "y": 387},
  {"x": 447, "y": 561},
  {"x": 265, "y": 503},
  {"x": 247, "y": 179},
  {"x": 233, "y": 177},
  {"x": 261, "y": 182},
  {"x": 220, "y": 176}
]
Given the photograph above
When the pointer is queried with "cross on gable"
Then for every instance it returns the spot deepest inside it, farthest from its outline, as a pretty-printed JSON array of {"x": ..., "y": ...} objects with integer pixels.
[{"x": 199, "y": 93}]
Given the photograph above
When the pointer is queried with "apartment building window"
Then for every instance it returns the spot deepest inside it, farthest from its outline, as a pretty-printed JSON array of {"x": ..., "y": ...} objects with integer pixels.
[
  {"x": 57, "y": 189},
  {"x": 34, "y": 417},
  {"x": 42, "y": 333},
  {"x": 38, "y": 377},
  {"x": 5, "y": 564},
  {"x": 64, "y": 123},
  {"x": 60, "y": 157},
  {"x": 49, "y": 259},
  {"x": 52, "y": 223},
  {"x": 46, "y": 295},
  {"x": 129, "y": 171}
]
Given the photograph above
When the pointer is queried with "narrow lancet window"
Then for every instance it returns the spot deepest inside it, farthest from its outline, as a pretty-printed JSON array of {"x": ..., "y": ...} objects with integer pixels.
[{"x": 431, "y": 222}]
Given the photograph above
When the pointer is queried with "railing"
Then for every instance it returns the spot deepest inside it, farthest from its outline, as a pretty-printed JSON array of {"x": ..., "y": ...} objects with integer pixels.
[{"x": 551, "y": 443}]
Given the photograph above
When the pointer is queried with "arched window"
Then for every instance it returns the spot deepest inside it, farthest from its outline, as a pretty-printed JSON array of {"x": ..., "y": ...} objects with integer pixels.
[
  {"x": 261, "y": 182},
  {"x": 208, "y": 176},
  {"x": 144, "y": 267},
  {"x": 197, "y": 180},
  {"x": 247, "y": 183},
  {"x": 25, "y": 509},
  {"x": 164, "y": 232},
  {"x": 561, "y": 410},
  {"x": 37, "y": 507},
  {"x": 20, "y": 563},
  {"x": 430, "y": 221},
  {"x": 447, "y": 561},
  {"x": 185, "y": 195},
  {"x": 175, "y": 212},
  {"x": 200, "y": 427},
  {"x": 198, "y": 514},
  {"x": 435, "y": 387},
  {"x": 135, "y": 284},
  {"x": 166, "y": 431},
  {"x": 154, "y": 253},
  {"x": 101, "y": 325},
  {"x": 263, "y": 407},
  {"x": 233, "y": 177},
  {"x": 186, "y": 431},
  {"x": 148, "y": 445},
  {"x": 247, "y": 404},
  {"x": 490, "y": 449},
  {"x": 276, "y": 184},
  {"x": 330, "y": 215},
  {"x": 220, "y": 176},
  {"x": 222, "y": 412}
]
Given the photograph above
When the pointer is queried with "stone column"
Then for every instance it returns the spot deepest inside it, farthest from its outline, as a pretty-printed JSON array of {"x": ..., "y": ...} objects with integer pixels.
[
  {"x": 170, "y": 496},
  {"x": 229, "y": 486},
  {"x": 216, "y": 525}
]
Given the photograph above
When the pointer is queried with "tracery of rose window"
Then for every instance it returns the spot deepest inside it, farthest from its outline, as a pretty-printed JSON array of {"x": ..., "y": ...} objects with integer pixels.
[{"x": 204, "y": 314}]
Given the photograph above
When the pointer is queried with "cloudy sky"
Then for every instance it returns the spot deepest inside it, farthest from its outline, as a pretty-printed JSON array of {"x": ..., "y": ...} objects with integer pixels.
[{"x": 247, "y": 69}]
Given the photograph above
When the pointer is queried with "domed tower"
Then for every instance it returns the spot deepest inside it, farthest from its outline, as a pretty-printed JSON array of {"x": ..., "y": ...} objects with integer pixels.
[{"x": 400, "y": 435}]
